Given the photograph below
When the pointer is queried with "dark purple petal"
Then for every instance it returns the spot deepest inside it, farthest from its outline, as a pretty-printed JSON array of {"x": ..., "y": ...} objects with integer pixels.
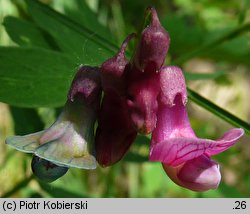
[{"x": 115, "y": 132}]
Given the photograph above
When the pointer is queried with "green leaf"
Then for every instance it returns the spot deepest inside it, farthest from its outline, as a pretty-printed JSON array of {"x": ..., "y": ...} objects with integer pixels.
[
  {"x": 85, "y": 46},
  {"x": 208, "y": 46},
  {"x": 34, "y": 77},
  {"x": 189, "y": 40},
  {"x": 184, "y": 35},
  {"x": 223, "y": 114},
  {"x": 49, "y": 85},
  {"x": 80, "y": 12},
  {"x": 234, "y": 51},
  {"x": 24, "y": 33},
  {"x": 26, "y": 120},
  {"x": 203, "y": 76}
]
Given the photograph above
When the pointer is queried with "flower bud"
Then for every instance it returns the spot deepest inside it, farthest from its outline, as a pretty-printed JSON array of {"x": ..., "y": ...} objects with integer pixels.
[
  {"x": 143, "y": 76},
  {"x": 153, "y": 45},
  {"x": 115, "y": 132}
]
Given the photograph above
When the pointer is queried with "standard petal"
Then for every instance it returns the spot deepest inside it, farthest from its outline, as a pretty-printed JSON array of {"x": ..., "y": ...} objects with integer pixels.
[
  {"x": 176, "y": 151},
  {"x": 172, "y": 122}
]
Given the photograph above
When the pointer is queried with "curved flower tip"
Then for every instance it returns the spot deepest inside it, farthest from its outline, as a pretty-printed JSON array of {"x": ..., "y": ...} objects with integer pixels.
[
  {"x": 172, "y": 83},
  {"x": 199, "y": 174},
  {"x": 47, "y": 171},
  {"x": 113, "y": 69},
  {"x": 69, "y": 141},
  {"x": 152, "y": 48}
]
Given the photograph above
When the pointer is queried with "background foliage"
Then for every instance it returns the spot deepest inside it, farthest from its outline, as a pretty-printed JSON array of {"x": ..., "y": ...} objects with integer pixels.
[{"x": 42, "y": 45}]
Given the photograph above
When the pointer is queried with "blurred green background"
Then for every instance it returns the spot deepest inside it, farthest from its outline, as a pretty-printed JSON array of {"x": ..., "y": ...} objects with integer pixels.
[{"x": 209, "y": 40}]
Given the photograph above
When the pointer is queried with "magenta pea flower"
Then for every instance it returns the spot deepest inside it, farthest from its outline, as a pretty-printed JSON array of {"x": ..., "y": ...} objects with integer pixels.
[
  {"x": 185, "y": 157},
  {"x": 69, "y": 142}
]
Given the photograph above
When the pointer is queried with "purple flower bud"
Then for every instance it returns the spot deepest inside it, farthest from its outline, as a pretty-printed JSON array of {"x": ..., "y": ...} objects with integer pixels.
[
  {"x": 69, "y": 142},
  {"x": 152, "y": 47},
  {"x": 143, "y": 78},
  {"x": 115, "y": 132}
]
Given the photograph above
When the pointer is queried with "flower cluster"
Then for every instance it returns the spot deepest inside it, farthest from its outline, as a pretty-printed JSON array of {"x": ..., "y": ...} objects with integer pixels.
[{"x": 140, "y": 95}]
